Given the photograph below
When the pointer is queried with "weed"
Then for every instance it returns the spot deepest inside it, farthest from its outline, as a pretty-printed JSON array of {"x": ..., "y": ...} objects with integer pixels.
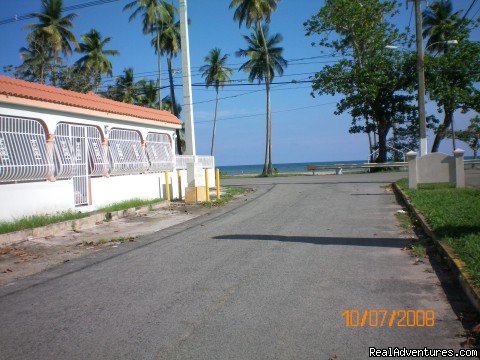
[
  {"x": 127, "y": 204},
  {"x": 30, "y": 222}
]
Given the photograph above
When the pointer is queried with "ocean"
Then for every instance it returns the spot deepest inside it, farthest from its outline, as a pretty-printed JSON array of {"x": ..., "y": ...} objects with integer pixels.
[{"x": 283, "y": 168}]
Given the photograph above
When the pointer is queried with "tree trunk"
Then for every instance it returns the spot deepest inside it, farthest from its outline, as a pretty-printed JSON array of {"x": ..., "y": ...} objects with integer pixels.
[
  {"x": 475, "y": 153},
  {"x": 174, "y": 102},
  {"x": 442, "y": 130},
  {"x": 382, "y": 144},
  {"x": 214, "y": 124},
  {"x": 267, "y": 167}
]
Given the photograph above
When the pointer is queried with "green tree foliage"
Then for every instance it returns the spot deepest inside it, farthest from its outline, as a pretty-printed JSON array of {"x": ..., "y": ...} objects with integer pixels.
[
  {"x": 95, "y": 58},
  {"x": 452, "y": 70},
  {"x": 73, "y": 78},
  {"x": 376, "y": 82},
  {"x": 256, "y": 13},
  {"x": 216, "y": 74},
  {"x": 154, "y": 12},
  {"x": 471, "y": 135},
  {"x": 53, "y": 29},
  {"x": 125, "y": 89}
]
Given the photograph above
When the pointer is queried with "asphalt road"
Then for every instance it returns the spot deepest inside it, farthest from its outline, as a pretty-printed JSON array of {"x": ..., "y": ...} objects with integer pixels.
[{"x": 266, "y": 277}]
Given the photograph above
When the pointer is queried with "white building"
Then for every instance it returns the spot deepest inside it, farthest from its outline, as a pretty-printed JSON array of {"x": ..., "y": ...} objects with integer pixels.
[{"x": 62, "y": 150}]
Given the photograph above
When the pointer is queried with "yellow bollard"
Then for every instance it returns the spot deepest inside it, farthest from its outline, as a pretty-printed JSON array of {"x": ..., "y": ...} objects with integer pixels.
[
  {"x": 217, "y": 182},
  {"x": 167, "y": 186},
  {"x": 179, "y": 176},
  {"x": 207, "y": 189}
]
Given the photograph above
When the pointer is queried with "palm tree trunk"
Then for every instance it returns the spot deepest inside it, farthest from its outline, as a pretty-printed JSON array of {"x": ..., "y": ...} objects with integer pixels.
[
  {"x": 442, "y": 130},
  {"x": 267, "y": 167},
  {"x": 159, "y": 67},
  {"x": 174, "y": 102},
  {"x": 214, "y": 124}
]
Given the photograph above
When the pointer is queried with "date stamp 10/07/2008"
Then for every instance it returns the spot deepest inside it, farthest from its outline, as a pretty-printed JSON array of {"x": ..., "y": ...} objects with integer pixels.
[{"x": 388, "y": 318}]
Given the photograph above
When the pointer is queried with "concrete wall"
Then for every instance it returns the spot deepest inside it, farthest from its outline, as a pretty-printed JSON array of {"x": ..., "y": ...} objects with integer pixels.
[{"x": 18, "y": 200}]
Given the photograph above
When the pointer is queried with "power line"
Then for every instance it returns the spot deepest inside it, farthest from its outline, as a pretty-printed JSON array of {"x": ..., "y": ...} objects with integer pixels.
[
  {"x": 262, "y": 114},
  {"x": 66, "y": 8},
  {"x": 470, "y": 8}
]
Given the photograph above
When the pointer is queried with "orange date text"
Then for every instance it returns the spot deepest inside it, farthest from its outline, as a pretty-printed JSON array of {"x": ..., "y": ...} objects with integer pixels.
[{"x": 388, "y": 318}]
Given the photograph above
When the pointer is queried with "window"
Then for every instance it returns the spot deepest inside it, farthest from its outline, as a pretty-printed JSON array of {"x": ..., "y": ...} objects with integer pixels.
[
  {"x": 126, "y": 153},
  {"x": 160, "y": 153}
]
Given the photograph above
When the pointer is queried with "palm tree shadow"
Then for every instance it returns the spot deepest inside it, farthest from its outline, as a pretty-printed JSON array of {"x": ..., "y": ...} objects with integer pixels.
[{"x": 317, "y": 240}]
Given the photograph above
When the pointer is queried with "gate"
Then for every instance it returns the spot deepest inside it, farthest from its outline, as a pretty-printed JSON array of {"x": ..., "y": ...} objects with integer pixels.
[{"x": 75, "y": 145}]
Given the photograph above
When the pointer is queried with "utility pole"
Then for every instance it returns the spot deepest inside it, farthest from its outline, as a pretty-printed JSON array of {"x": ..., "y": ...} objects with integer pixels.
[
  {"x": 421, "y": 79},
  {"x": 187, "y": 81}
]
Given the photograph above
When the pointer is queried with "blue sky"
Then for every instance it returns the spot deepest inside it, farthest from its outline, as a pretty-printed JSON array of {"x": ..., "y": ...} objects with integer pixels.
[{"x": 305, "y": 129}]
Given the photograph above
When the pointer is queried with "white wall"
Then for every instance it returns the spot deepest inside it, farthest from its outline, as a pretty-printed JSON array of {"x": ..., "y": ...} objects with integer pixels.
[{"x": 18, "y": 200}]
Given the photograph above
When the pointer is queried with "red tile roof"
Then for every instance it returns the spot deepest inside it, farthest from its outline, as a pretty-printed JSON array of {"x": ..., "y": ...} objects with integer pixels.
[{"x": 90, "y": 101}]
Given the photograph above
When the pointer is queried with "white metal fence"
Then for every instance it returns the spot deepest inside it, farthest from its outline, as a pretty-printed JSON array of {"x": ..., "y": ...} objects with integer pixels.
[
  {"x": 23, "y": 150},
  {"x": 160, "y": 153},
  {"x": 206, "y": 162},
  {"x": 126, "y": 153}
]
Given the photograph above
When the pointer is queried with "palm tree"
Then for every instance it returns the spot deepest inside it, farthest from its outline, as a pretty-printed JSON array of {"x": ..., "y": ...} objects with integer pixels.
[
  {"x": 216, "y": 74},
  {"x": 440, "y": 25},
  {"x": 265, "y": 59},
  {"x": 125, "y": 88},
  {"x": 96, "y": 57},
  {"x": 167, "y": 41},
  {"x": 255, "y": 12},
  {"x": 37, "y": 63},
  {"x": 149, "y": 91},
  {"x": 53, "y": 29},
  {"x": 153, "y": 12}
]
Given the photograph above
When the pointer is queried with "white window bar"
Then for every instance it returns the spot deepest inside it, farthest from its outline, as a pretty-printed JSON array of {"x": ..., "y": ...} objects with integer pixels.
[
  {"x": 23, "y": 150},
  {"x": 126, "y": 153},
  {"x": 97, "y": 156},
  {"x": 159, "y": 151}
]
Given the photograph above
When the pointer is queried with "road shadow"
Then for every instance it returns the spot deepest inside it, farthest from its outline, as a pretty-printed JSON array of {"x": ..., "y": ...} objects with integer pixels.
[{"x": 317, "y": 240}]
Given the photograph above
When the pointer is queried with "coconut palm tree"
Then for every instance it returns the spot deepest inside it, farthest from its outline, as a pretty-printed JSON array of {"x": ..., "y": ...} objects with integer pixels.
[
  {"x": 37, "y": 63},
  {"x": 53, "y": 29},
  {"x": 149, "y": 92},
  {"x": 440, "y": 25},
  {"x": 255, "y": 12},
  {"x": 216, "y": 74},
  {"x": 125, "y": 88},
  {"x": 96, "y": 57},
  {"x": 153, "y": 12},
  {"x": 265, "y": 59}
]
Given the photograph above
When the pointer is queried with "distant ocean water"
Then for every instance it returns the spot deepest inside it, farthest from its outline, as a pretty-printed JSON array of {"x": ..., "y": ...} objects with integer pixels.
[{"x": 283, "y": 168}]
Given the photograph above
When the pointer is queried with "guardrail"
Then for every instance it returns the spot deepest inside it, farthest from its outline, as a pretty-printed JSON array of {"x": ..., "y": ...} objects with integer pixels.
[
  {"x": 181, "y": 161},
  {"x": 340, "y": 167}
]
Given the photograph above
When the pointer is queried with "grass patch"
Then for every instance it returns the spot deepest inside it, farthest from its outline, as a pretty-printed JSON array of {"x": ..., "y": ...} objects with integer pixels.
[
  {"x": 230, "y": 193},
  {"x": 30, "y": 222},
  {"x": 418, "y": 250},
  {"x": 127, "y": 204},
  {"x": 404, "y": 220},
  {"x": 454, "y": 215}
]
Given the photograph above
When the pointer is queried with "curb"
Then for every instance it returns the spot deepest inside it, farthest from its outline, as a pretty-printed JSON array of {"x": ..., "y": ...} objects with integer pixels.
[
  {"x": 76, "y": 225},
  {"x": 456, "y": 265}
]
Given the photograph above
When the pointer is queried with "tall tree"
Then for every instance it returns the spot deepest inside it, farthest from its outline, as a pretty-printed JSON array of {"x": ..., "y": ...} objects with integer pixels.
[
  {"x": 265, "y": 59},
  {"x": 216, "y": 74},
  {"x": 167, "y": 42},
  {"x": 257, "y": 12},
  {"x": 96, "y": 56},
  {"x": 53, "y": 29},
  {"x": 153, "y": 12},
  {"x": 376, "y": 83},
  {"x": 149, "y": 91},
  {"x": 37, "y": 63},
  {"x": 471, "y": 135},
  {"x": 125, "y": 88},
  {"x": 440, "y": 25}
]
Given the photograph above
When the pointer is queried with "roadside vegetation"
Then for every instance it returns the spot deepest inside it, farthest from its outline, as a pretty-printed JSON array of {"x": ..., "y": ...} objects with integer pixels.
[
  {"x": 30, "y": 222},
  {"x": 228, "y": 195},
  {"x": 127, "y": 204},
  {"x": 453, "y": 214}
]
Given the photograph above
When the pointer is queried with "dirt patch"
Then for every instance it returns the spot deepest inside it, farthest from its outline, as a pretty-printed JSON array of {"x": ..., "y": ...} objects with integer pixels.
[{"x": 37, "y": 254}]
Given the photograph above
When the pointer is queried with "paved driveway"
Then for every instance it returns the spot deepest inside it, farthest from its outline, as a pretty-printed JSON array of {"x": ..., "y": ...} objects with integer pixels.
[{"x": 267, "y": 277}]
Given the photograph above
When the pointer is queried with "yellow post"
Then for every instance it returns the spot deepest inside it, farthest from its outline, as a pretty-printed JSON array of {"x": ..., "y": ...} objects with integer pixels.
[
  {"x": 167, "y": 186},
  {"x": 179, "y": 176},
  {"x": 217, "y": 182},
  {"x": 207, "y": 189}
]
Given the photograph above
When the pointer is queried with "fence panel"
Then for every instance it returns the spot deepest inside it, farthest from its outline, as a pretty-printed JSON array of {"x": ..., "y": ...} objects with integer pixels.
[
  {"x": 126, "y": 153},
  {"x": 23, "y": 150},
  {"x": 160, "y": 153}
]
